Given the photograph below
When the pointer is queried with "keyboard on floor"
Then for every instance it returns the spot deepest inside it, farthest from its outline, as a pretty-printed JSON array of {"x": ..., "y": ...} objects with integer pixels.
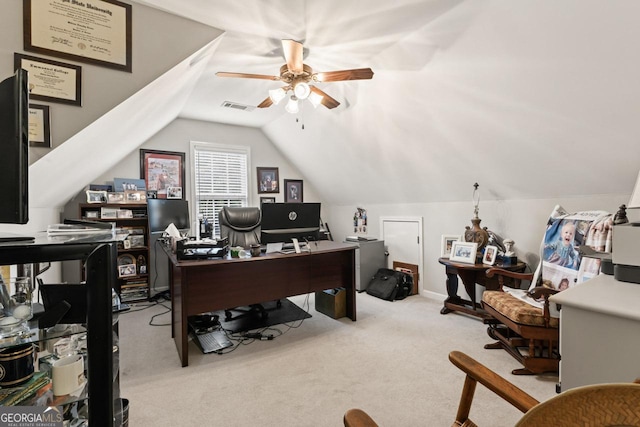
[{"x": 213, "y": 341}]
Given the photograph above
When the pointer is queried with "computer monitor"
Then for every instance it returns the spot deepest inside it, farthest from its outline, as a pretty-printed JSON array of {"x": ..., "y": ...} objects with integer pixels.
[
  {"x": 283, "y": 221},
  {"x": 163, "y": 212},
  {"x": 14, "y": 148}
]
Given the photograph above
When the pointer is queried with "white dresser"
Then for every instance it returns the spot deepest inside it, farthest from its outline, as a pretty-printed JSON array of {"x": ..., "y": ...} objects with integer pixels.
[{"x": 599, "y": 332}]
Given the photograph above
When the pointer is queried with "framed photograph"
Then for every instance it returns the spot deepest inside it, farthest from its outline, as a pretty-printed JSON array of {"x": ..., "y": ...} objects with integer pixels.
[
  {"x": 115, "y": 197},
  {"x": 447, "y": 243},
  {"x": 490, "y": 254},
  {"x": 268, "y": 181},
  {"x": 96, "y": 196},
  {"x": 293, "y": 191},
  {"x": 126, "y": 184},
  {"x": 174, "y": 192},
  {"x": 161, "y": 170},
  {"x": 264, "y": 200},
  {"x": 135, "y": 196},
  {"x": 101, "y": 187},
  {"x": 96, "y": 32},
  {"x": 92, "y": 214},
  {"x": 127, "y": 270},
  {"x": 464, "y": 252},
  {"x": 39, "y": 126},
  {"x": 51, "y": 81}
]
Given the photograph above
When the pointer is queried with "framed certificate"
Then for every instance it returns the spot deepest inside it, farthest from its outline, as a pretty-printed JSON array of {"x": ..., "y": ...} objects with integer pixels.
[
  {"x": 39, "y": 126},
  {"x": 96, "y": 32},
  {"x": 51, "y": 81}
]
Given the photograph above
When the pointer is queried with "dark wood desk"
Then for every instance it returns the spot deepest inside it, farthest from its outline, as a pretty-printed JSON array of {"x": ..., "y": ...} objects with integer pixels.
[
  {"x": 201, "y": 286},
  {"x": 470, "y": 275}
]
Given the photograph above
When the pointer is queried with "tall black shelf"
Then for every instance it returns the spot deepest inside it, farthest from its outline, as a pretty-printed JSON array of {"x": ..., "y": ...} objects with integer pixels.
[{"x": 99, "y": 254}]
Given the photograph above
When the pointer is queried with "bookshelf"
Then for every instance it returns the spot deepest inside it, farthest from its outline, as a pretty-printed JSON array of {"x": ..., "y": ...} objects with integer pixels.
[
  {"x": 133, "y": 252},
  {"x": 100, "y": 256}
]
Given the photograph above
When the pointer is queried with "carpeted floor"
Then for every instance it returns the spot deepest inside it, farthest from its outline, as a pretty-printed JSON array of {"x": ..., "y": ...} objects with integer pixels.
[{"x": 392, "y": 362}]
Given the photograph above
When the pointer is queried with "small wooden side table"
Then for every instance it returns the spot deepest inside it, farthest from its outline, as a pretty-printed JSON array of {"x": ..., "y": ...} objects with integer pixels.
[{"x": 470, "y": 275}]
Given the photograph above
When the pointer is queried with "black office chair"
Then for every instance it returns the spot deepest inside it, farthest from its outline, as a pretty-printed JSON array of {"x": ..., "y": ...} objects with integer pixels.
[{"x": 242, "y": 227}]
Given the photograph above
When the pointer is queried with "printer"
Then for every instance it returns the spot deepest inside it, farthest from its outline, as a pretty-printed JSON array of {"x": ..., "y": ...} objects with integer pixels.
[
  {"x": 625, "y": 253},
  {"x": 625, "y": 244}
]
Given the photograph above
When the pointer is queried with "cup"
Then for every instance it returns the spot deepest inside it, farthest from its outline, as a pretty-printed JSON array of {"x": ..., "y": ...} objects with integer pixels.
[
  {"x": 235, "y": 252},
  {"x": 255, "y": 250},
  {"x": 67, "y": 374}
]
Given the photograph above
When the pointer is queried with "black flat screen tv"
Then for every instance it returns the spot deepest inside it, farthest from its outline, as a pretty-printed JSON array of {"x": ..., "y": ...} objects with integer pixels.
[
  {"x": 163, "y": 212},
  {"x": 283, "y": 221},
  {"x": 14, "y": 149}
]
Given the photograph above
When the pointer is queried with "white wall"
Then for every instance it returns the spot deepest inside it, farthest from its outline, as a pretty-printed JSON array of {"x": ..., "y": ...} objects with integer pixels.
[
  {"x": 521, "y": 220},
  {"x": 177, "y": 137}
]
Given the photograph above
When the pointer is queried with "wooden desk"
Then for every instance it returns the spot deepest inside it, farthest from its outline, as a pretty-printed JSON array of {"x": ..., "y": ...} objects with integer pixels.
[
  {"x": 201, "y": 286},
  {"x": 470, "y": 275}
]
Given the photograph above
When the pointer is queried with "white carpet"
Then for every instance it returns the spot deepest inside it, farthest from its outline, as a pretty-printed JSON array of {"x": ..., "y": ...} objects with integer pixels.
[{"x": 392, "y": 363}]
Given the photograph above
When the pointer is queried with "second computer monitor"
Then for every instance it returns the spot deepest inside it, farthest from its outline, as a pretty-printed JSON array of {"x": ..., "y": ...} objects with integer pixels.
[{"x": 283, "y": 221}]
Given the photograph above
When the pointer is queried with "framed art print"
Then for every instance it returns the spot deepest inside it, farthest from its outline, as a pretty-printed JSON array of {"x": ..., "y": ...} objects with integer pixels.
[
  {"x": 162, "y": 170},
  {"x": 293, "y": 191},
  {"x": 268, "y": 181}
]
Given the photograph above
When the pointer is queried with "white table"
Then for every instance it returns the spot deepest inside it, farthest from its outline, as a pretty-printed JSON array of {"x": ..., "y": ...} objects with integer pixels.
[{"x": 599, "y": 332}]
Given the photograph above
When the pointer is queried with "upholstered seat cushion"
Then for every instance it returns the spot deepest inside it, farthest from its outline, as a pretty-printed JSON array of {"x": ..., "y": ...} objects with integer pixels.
[{"x": 516, "y": 309}]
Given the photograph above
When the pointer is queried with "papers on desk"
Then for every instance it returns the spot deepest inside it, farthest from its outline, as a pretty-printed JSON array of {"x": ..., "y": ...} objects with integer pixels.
[{"x": 286, "y": 248}]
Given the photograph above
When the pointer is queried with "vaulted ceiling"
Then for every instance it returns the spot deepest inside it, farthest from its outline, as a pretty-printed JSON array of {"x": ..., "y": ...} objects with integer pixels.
[{"x": 532, "y": 99}]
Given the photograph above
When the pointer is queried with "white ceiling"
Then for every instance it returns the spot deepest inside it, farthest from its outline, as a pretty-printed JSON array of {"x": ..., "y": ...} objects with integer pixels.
[{"x": 532, "y": 99}]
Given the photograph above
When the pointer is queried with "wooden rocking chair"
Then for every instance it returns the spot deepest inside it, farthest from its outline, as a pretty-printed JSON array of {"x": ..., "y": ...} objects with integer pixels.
[
  {"x": 526, "y": 332},
  {"x": 593, "y": 405}
]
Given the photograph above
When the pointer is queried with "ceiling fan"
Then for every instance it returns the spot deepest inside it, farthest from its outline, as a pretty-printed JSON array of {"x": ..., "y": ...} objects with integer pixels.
[{"x": 297, "y": 78}]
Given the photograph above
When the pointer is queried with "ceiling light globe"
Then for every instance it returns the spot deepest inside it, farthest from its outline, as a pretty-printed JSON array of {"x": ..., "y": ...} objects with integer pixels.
[
  {"x": 302, "y": 90},
  {"x": 277, "y": 95},
  {"x": 292, "y": 106},
  {"x": 315, "y": 99}
]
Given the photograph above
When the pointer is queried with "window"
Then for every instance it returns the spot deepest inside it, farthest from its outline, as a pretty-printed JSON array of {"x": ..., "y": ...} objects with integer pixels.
[{"x": 220, "y": 179}]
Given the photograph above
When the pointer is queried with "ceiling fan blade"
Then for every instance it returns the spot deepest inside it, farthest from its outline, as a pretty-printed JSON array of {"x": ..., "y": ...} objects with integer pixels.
[
  {"x": 293, "y": 55},
  {"x": 246, "y": 76},
  {"x": 327, "y": 101},
  {"x": 266, "y": 103},
  {"x": 336, "y": 76}
]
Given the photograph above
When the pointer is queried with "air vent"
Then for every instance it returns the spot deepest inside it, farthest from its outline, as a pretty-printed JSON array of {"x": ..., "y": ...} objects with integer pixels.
[{"x": 234, "y": 105}]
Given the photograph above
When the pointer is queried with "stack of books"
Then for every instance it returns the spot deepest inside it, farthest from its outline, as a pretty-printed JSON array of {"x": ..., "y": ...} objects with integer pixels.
[{"x": 37, "y": 385}]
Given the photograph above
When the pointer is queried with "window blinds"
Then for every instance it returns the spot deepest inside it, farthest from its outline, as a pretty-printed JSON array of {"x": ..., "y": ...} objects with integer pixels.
[{"x": 220, "y": 180}]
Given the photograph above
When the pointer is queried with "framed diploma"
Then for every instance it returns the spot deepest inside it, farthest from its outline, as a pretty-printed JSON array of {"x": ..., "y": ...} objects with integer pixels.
[
  {"x": 96, "y": 32},
  {"x": 39, "y": 126},
  {"x": 51, "y": 80}
]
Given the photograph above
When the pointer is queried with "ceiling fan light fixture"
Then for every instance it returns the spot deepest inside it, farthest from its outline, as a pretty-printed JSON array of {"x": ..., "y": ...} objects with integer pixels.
[
  {"x": 292, "y": 106},
  {"x": 277, "y": 95},
  {"x": 315, "y": 99},
  {"x": 302, "y": 90}
]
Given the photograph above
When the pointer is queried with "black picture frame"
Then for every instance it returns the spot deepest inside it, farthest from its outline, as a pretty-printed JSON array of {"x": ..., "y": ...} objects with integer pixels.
[
  {"x": 293, "y": 191},
  {"x": 77, "y": 45},
  {"x": 161, "y": 170},
  {"x": 47, "y": 92},
  {"x": 268, "y": 180}
]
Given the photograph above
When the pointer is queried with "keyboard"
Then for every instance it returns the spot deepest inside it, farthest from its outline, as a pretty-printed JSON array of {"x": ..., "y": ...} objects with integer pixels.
[{"x": 213, "y": 341}]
